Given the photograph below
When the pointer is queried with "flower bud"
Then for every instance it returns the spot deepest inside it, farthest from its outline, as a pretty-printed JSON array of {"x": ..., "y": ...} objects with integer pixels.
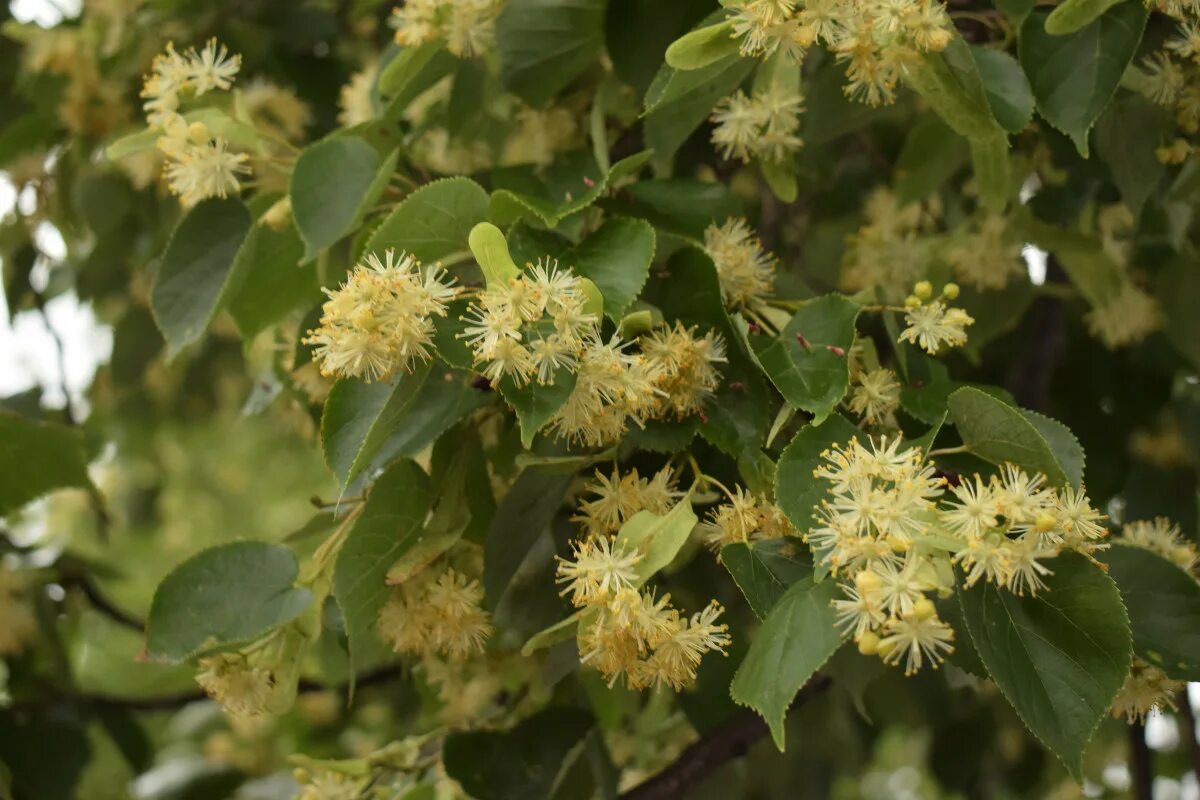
[
  {"x": 923, "y": 290},
  {"x": 867, "y": 581},
  {"x": 868, "y": 644},
  {"x": 197, "y": 133},
  {"x": 950, "y": 290},
  {"x": 924, "y": 609}
]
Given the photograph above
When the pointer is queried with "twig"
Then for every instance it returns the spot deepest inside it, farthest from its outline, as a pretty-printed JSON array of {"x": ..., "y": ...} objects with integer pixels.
[
  {"x": 729, "y": 741},
  {"x": 102, "y": 603},
  {"x": 1139, "y": 763},
  {"x": 60, "y": 351},
  {"x": 1187, "y": 730}
]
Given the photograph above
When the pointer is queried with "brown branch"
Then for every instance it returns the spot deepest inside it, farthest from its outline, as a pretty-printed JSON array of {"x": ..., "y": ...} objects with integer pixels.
[
  {"x": 1187, "y": 730},
  {"x": 101, "y": 603},
  {"x": 729, "y": 741},
  {"x": 1140, "y": 767}
]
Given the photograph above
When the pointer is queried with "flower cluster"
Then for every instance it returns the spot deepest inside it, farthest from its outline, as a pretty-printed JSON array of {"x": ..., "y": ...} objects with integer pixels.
[
  {"x": 615, "y": 498},
  {"x": 1127, "y": 318},
  {"x": 440, "y": 616},
  {"x": 199, "y": 164},
  {"x": 243, "y": 690},
  {"x": 629, "y": 632},
  {"x": 1011, "y": 523},
  {"x": 930, "y": 323},
  {"x": 745, "y": 518},
  {"x": 532, "y": 326},
  {"x": 380, "y": 320},
  {"x": 762, "y": 126},
  {"x": 1170, "y": 77},
  {"x": 468, "y": 27},
  {"x": 683, "y": 369},
  {"x": 891, "y": 250},
  {"x": 874, "y": 395},
  {"x": 18, "y": 625},
  {"x": 1161, "y": 536},
  {"x": 986, "y": 252},
  {"x": 612, "y": 386},
  {"x": 875, "y": 38},
  {"x": 746, "y": 270},
  {"x": 1146, "y": 688}
]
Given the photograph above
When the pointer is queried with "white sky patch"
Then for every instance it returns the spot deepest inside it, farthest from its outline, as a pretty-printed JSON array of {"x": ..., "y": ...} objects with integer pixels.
[
  {"x": 1035, "y": 261},
  {"x": 46, "y": 13}
]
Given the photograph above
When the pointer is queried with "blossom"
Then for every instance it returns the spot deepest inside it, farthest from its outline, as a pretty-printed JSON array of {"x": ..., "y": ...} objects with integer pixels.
[
  {"x": 764, "y": 125},
  {"x": 875, "y": 396},
  {"x": 917, "y": 637},
  {"x": 743, "y": 518},
  {"x": 745, "y": 269},
  {"x": 205, "y": 170},
  {"x": 1146, "y": 688},
  {"x": 933, "y": 324},
  {"x": 598, "y": 569},
  {"x": 1161, "y": 536},
  {"x": 617, "y": 497},
  {"x": 244, "y": 691},
  {"x": 276, "y": 110},
  {"x": 436, "y": 616},
  {"x": 380, "y": 320},
  {"x": 174, "y": 75},
  {"x": 1127, "y": 318},
  {"x": 354, "y": 98},
  {"x": 988, "y": 254},
  {"x": 468, "y": 27},
  {"x": 612, "y": 386},
  {"x": 683, "y": 366}
]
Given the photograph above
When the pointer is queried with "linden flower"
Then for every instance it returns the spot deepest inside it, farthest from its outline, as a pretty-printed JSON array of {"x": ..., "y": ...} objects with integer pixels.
[
  {"x": 468, "y": 27},
  {"x": 889, "y": 251},
  {"x": 744, "y": 518},
  {"x": 746, "y": 271},
  {"x": 916, "y": 637},
  {"x": 1146, "y": 688},
  {"x": 276, "y": 110},
  {"x": 172, "y": 75},
  {"x": 612, "y": 386},
  {"x": 683, "y": 366},
  {"x": 676, "y": 659},
  {"x": 598, "y": 569},
  {"x": 430, "y": 616},
  {"x": 764, "y": 125},
  {"x": 329, "y": 785},
  {"x": 533, "y": 326},
  {"x": 933, "y": 324},
  {"x": 988, "y": 255},
  {"x": 765, "y": 26},
  {"x": 380, "y": 320},
  {"x": 242, "y": 690},
  {"x": 1161, "y": 79},
  {"x": 618, "y": 497},
  {"x": 205, "y": 170},
  {"x": 354, "y": 99},
  {"x": 1126, "y": 319},
  {"x": 875, "y": 396},
  {"x": 1161, "y": 536}
]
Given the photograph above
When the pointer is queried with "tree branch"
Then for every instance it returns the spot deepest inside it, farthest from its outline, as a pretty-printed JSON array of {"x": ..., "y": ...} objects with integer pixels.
[
  {"x": 101, "y": 603},
  {"x": 729, "y": 741},
  {"x": 1140, "y": 768},
  {"x": 1187, "y": 730}
]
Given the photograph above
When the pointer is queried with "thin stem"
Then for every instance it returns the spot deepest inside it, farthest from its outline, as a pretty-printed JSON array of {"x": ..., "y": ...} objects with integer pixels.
[
  {"x": 947, "y": 451},
  {"x": 1187, "y": 730},
  {"x": 1140, "y": 765}
]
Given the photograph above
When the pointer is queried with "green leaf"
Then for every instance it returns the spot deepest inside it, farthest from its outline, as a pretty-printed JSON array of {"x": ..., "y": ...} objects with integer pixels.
[
  {"x": 1179, "y": 292},
  {"x": 1164, "y": 608},
  {"x": 449, "y": 520},
  {"x": 781, "y": 178},
  {"x": 999, "y": 433},
  {"x": 657, "y": 537},
  {"x": 391, "y": 522},
  {"x": 765, "y": 570},
  {"x": 411, "y": 72},
  {"x": 1072, "y": 15},
  {"x": 682, "y": 207},
  {"x": 561, "y": 631},
  {"x": 950, "y": 82},
  {"x": 535, "y": 404},
  {"x": 196, "y": 276},
  {"x": 796, "y": 491},
  {"x": 797, "y": 637},
  {"x": 274, "y": 284},
  {"x": 1066, "y": 448},
  {"x": 362, "y": 421},
  {"x": 931, "y": 155},
  {"x": 433, "y": 222},
  {"x": 546, "y": 44},
  {"x": 25, "y": 134},
  {"x": 1007, "y": 89},
  {"x": 224, "y": 595},
  {"x": 703, "y": 46},
  {"x": 566, "y": 187},
  {"x": 678, "y": 103},
  {"x": 36, "y": 457},
  {"x": 525, "y": 762},
  {"x": 334, "y": 184},
  {"x": 989, "y": 157},
  {"x": 1126, "y": 137},
  {"x": 1074, "y": 76},
  {"x": 617, "y": 259},
  {"x": 1089, "y": 266},
  {"x": 490, "y": 249},
  {"x": 523, "y": 516},
  {"x": 1059, "y": 657},
  {"x": 807, "y": 362}
]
